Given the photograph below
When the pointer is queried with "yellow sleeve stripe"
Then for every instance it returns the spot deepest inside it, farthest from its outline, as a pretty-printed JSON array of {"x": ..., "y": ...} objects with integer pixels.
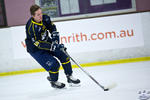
[
  {"x": 37, "y": 43},
  {"x": 66, "y": 62},
  {"x": 43, "y": 48},
  {"x": 34, "y": 31},
  {"x": 29, "y": 28},
  {"x": 44, "y": 42}
]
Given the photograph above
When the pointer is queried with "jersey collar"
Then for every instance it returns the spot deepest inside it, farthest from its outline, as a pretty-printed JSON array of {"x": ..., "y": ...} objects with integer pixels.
[{"x": 41, "y": 23}]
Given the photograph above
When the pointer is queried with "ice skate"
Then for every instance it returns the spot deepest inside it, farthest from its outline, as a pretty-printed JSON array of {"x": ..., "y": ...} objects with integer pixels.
[
  {"x": 56, "y": 84},
  {"x": 73, "y": 81}
]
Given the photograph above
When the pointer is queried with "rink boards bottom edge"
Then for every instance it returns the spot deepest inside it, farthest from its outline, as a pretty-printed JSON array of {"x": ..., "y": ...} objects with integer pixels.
[{"x": 130, "y": 60}]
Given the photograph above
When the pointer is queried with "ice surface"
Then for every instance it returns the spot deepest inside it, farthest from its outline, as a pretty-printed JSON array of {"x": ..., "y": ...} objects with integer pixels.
[{"x": 130, "y": 78}]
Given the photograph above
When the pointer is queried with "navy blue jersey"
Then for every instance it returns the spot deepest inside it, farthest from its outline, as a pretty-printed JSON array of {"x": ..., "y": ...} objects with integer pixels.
[{"x": 37, "y": 34}]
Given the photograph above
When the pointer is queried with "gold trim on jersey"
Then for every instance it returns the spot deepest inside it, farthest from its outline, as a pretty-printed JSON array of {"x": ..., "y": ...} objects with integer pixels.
[
  {"x": 41, "y": 24},
  {"x": 29, "y": 28}
]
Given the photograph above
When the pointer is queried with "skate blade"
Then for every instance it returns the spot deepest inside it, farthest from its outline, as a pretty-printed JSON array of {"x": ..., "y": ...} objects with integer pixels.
[
  {"x": 74, "y": 85},
  {"x": 58, "y": 87}
]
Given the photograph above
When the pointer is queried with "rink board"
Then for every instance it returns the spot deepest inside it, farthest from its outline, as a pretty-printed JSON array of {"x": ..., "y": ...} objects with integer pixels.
[{"x": 83, "y": 65}]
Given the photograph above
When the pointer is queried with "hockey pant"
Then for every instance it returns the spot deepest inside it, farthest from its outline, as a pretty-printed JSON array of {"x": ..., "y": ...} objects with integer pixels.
[{"x": 49, "y": 62}]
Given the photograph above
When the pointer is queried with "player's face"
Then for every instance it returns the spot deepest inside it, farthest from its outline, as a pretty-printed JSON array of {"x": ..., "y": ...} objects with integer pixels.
[{"x": 38, "y": 15}]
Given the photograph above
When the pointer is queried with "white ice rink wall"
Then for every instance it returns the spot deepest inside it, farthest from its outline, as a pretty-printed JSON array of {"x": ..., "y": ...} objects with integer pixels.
[{"x": 88, "y": 40}]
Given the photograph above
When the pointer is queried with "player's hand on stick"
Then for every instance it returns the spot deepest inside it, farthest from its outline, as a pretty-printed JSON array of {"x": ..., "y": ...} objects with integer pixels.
[{"x": 57, "y": 47}]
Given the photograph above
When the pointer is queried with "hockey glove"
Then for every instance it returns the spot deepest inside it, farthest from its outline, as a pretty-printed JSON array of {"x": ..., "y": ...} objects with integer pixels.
[
  {"x": 55, "y": 37},
  {"x": 57, "y": 47}
]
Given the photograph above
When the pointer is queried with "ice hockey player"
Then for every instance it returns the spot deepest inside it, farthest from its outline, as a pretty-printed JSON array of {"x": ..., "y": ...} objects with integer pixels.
[{"x": 42, "y": 41}]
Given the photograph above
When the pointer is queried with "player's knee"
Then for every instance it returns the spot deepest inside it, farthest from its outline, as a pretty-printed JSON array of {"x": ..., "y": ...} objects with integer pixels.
[
  {"x": 54, "y": 68},
  {"x": 66, "y": 59},
  {"x": 66, "y": 62}
]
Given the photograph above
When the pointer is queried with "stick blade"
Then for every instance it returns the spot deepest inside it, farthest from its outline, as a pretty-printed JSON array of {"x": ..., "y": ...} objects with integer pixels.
[{"x": 110, "y": 87}]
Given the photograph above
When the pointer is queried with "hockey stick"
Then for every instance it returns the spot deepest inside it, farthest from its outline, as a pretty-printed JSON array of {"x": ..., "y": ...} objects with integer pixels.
[{"x": 104, "y": 88}]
